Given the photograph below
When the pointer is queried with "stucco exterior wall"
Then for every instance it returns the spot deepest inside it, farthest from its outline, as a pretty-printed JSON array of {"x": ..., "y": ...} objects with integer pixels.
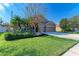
[
  {"x": 58, "y": 29},
  {"x": 49, "y": 27},
  {"x": 40, "y": 27}
]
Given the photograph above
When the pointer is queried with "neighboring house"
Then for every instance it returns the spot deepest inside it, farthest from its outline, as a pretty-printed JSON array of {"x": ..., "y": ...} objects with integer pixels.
[
  {"x": 43, "y": 25},
  {"x": 76, "y": 30},
  {"x": 2, "y": 28},
  {"x": 5, "y": 27},
  {"x": 58, "y": 28}
]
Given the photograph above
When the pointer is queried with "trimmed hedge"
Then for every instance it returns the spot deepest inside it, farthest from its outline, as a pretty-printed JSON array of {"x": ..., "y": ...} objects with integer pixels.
[{"x": 13, "y": 36}]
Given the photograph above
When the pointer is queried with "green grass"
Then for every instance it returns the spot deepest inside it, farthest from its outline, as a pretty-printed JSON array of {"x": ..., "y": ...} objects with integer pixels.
[
  {"x": 37, "y": 46},
  {"x": 1, "y": 33}
]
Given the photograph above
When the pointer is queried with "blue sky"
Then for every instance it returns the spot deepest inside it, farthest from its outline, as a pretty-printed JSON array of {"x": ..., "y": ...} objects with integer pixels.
[{"x": 54, "y": 12}]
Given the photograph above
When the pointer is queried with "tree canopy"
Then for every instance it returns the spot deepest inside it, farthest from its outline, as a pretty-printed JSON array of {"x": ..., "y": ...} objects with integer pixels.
[{"x": 65, "y": 24}]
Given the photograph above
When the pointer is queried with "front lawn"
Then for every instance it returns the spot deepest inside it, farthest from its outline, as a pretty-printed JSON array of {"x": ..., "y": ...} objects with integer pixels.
[
  {"x": 41, "y": 46},
  {"x": 1, "y": 33}
]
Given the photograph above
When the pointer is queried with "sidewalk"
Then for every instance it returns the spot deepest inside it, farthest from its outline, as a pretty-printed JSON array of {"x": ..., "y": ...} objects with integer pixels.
[{"x": 74, "y": 51}]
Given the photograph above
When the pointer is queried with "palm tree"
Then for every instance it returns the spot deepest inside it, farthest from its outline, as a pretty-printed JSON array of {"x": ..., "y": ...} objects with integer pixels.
[{"x": 16, "y": 22}]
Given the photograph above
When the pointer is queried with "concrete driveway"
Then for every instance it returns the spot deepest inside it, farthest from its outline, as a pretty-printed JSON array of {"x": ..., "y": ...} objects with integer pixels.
[{"x": 63, "y": 35}]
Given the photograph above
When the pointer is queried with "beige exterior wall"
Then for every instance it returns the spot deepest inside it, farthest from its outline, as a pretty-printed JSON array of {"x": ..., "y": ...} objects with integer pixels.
[
  {"x": 41, "y": 27},
  {"x": 49, "y": 27}
]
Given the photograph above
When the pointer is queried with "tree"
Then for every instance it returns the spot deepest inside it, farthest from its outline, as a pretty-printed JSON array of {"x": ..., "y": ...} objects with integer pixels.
[
  {"x": 33, "y": 11},
  {"x": 65, "y": 24},
  {"x": 75, "y": 22},
  {"x": 16, "y": 22}
]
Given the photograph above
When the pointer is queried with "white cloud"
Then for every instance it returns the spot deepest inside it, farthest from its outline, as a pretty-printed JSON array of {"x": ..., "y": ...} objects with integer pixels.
[
  {"x": 1, "y": 8},
  {"x": 4, "y": 5}
]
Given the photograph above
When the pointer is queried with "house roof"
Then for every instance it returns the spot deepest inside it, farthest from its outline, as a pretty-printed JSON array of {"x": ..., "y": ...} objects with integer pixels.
[{"x": 41, "y": 19}]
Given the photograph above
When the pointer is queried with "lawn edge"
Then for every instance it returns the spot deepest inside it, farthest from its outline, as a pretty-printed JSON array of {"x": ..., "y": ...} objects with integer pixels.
[{"x": 68, "y": 49}]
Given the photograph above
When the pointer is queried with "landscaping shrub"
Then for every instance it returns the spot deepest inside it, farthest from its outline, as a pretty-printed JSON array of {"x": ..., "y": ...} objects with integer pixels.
[{"x": 14, "y": 36}]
